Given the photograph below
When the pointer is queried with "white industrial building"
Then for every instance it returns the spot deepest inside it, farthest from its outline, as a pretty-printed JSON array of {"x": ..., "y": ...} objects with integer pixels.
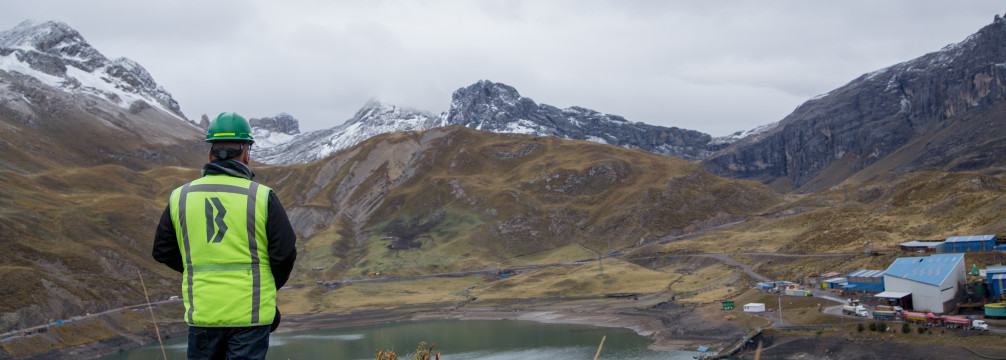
[{"x": 931, "y": 281}]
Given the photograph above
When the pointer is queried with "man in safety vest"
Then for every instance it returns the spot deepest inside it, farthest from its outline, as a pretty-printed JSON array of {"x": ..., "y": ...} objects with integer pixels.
[{"x": 231, "y": 240}]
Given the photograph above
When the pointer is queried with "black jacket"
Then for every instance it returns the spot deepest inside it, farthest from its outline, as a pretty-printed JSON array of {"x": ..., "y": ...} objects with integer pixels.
[{"x": 282, "y": 239}]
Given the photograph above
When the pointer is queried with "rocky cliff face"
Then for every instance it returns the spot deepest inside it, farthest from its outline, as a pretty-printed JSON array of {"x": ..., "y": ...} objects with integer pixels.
[
  {"x": 829, "y": 138},
  {"x": 499, "y": 108}
]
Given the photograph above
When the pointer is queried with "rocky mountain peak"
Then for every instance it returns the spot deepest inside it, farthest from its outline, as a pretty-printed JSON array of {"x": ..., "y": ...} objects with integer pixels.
[
  {"x": 204, "y": 122},
  {"x": 49, "y": 46},
  {"x": 377, "y": 113},
  {"x": 282, "y": 123},
  {"x": 500, "y": 108},
  {"x": 489, "y": 106}
]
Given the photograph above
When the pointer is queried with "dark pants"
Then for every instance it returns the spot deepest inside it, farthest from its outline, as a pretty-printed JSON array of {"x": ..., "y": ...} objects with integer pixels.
[{"x": 231, "y": 343}]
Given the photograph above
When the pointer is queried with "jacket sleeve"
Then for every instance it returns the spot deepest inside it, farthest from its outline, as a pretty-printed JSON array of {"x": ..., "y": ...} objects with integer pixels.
[
  {"x": 282, "y": 241},
  {"x": 166, "y": 244}
]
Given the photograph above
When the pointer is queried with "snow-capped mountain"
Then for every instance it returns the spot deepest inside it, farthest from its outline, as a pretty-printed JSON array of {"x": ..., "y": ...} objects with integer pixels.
[
  {"x": 492, "y": 107},
  {"x": 59, "y": 95},
  {"x": 373, "y": 119},
  {"x": 58, "y": 56}
]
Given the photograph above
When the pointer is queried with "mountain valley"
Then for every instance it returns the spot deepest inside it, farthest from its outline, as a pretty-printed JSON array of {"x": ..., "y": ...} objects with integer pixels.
[{"x": 514, "y": 204}]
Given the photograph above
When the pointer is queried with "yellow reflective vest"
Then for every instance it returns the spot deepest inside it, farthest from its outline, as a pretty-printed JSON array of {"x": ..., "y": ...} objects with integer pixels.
[{"x": 220, "y": 222}]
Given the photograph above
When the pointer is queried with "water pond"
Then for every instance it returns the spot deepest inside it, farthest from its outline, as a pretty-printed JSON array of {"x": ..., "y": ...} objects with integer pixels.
[{"x": 455, "y": 339}]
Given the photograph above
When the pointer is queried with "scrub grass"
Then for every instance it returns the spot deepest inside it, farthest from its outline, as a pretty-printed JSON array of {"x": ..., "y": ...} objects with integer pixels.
[
  {"x": 369, "y": 296},
  {"x": 704, "y": 285},
  {"x": 618, "y": 276},
  {"x": 567, "y": 253}
]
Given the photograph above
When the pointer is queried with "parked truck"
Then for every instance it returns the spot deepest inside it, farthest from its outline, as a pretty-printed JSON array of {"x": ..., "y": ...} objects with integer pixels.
[
  {"x": 894, "y": 308},
  {"x": 921, "y": 318},
  {"x": 857, "y": 310},
  {"x": 797, "y": 292},
  {"x": 979, "y": 325},
  {"x": 886, "y": 315},
  {"x": 955, "y": 322}
]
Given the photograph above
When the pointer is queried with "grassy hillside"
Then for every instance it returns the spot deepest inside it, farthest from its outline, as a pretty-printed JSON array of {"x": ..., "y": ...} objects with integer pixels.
[
  {"x": 465, "y": 199},
  {"x": 884, "y": 212},
  {"x": 73, "y": 240}
]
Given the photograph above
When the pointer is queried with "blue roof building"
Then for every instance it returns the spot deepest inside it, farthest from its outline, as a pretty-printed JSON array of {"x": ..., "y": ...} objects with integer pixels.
[
  {"x": 865, "y": 280},
  {"x": 924, "y": 246},
  {"x": 932, "y": 280},
  {"x": 969, "y": 243}
]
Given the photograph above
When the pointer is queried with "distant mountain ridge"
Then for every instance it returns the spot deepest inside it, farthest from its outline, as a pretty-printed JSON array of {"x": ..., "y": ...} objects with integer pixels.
[{"x": 491, "y": 107}]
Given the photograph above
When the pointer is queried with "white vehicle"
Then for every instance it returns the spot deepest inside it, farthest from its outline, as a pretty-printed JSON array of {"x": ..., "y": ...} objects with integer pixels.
[
  {"x": 857, "y": 310},
  {"x": 979, "y": 325}
]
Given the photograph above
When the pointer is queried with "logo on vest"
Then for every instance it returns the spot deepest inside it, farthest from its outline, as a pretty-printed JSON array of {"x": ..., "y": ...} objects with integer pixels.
[{"x": 215, "y": 227}]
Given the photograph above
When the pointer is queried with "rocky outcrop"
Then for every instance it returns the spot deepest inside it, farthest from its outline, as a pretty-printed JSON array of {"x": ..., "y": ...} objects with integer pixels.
[{"x": 831, "y": 137}]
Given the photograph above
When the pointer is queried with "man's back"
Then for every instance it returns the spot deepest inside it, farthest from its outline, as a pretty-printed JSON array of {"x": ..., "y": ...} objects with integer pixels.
[{"x": 233, "y": 243}]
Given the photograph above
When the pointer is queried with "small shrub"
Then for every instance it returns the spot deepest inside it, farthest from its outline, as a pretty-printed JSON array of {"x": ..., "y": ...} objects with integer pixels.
[
  {"x": 859, "y": 327},
  {"x": 905, "y": 328},
  {"x": 386, "y": 355},
  {"x": 882, "y": 327},
  {"x": 422, "y": 353},
  {"x": 922, "y": 329},
  {"x": 873, "y": 326}
]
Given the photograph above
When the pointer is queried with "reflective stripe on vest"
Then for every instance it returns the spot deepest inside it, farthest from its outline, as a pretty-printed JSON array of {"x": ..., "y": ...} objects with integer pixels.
[{"x": 227, "y": 280}]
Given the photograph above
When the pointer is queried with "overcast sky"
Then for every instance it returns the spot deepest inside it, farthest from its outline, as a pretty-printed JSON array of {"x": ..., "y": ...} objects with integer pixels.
[{"x": 712, "y": 66}]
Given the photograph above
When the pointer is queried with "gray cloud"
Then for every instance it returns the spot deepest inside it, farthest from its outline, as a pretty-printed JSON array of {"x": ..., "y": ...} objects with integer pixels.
[{"x": 716, "y": 67}]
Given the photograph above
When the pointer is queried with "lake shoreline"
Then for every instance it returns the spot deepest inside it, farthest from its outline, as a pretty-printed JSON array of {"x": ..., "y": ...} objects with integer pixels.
[{"x": 671, "y": 327}]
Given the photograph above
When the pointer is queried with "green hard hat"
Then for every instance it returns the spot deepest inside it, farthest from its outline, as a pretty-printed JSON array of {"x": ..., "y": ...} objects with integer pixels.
[{"x": 229, "y": 126}]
